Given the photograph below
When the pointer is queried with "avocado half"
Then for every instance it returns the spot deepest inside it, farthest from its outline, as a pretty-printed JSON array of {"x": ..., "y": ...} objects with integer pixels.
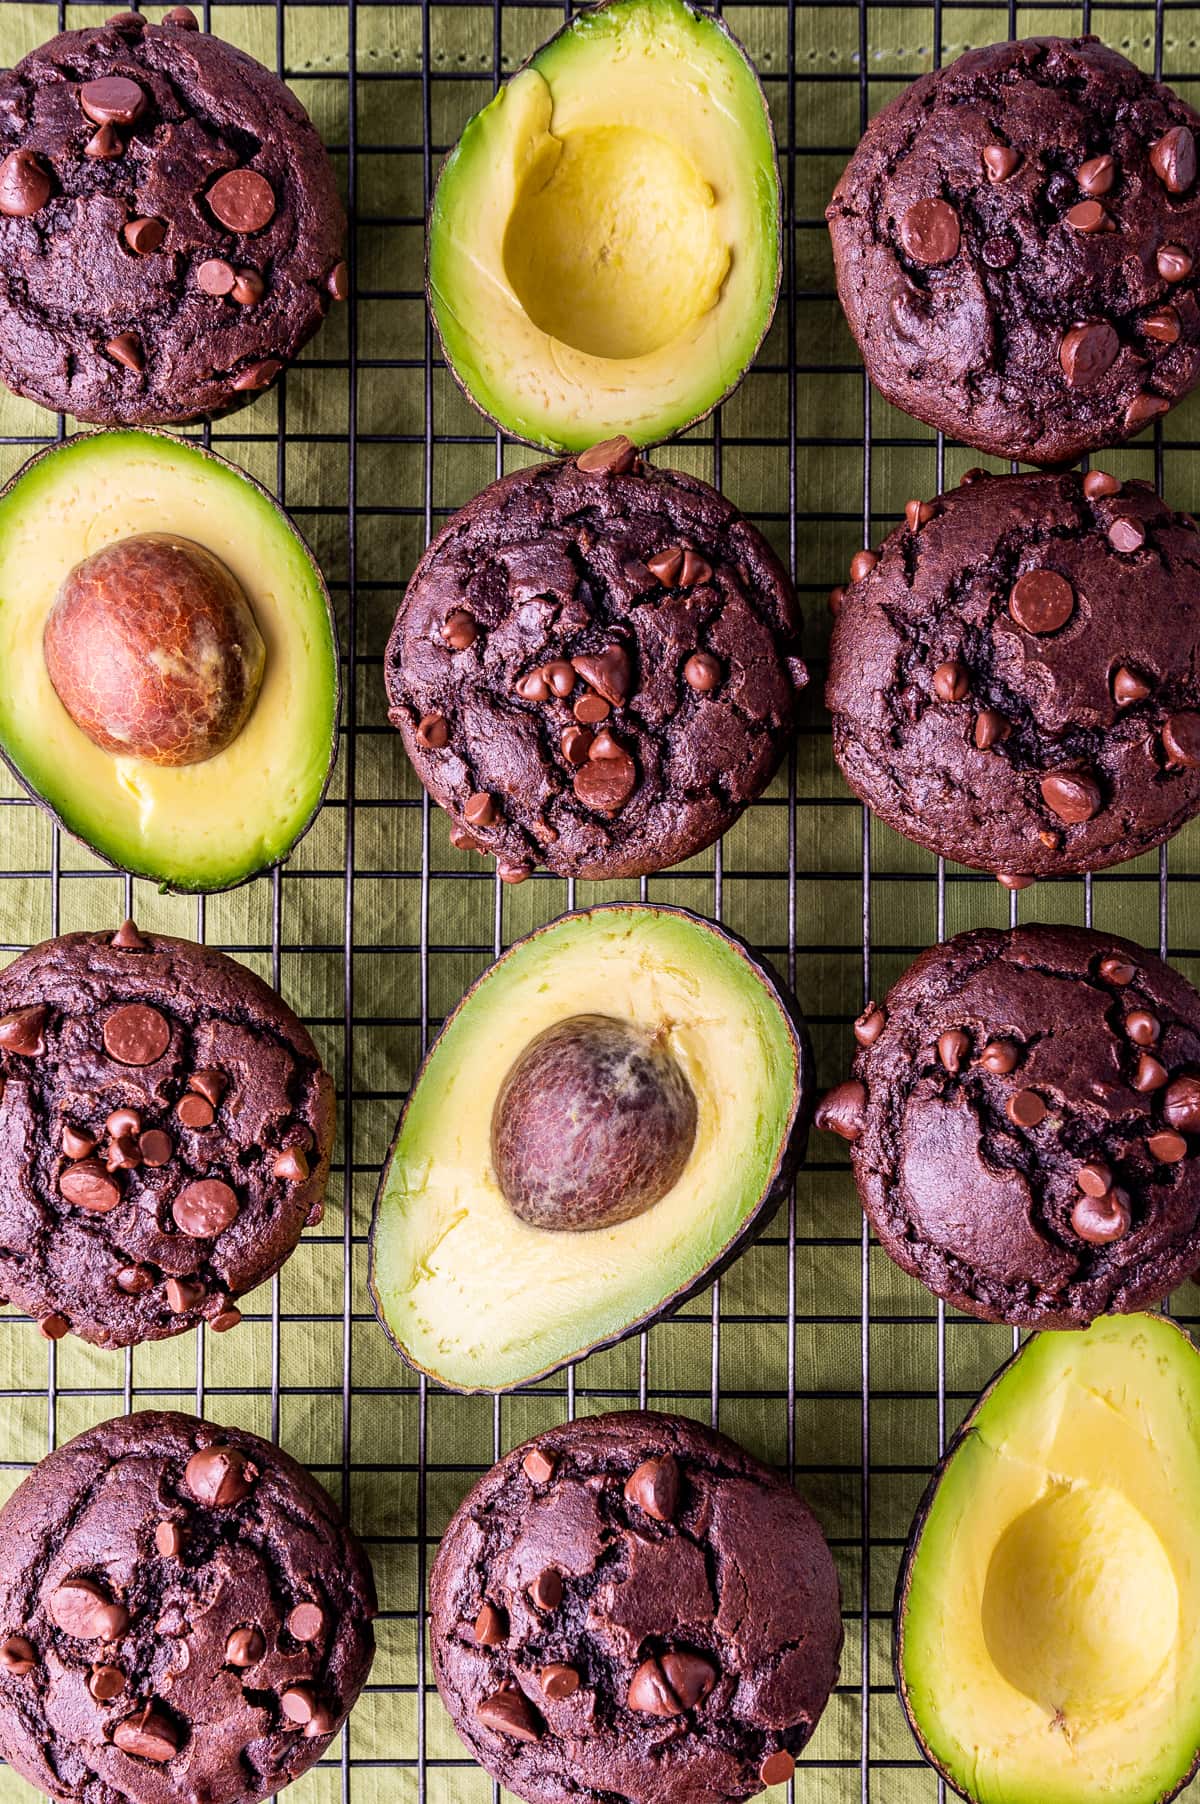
[
  {"x": 204, "y": 826},
  {"x": 1047, "y": 1634},
  {"x": 603, "y": 252},
  {"x": 479, "y": 1299}
]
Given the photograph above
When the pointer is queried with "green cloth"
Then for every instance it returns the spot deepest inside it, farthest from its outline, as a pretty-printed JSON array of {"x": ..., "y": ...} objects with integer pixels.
[{"x": 382, "y": 1425}]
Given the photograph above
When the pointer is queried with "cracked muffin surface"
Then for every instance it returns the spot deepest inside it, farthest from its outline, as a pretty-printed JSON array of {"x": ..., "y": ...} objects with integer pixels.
[
  {"x": 1015, "y": 678},
  {"x": 1016, "y": 242},
  {"x": 631, "y": 1606},
  {"x": 1024, "y": 1120},
  {"x": 183, "y": 1615},
  {"x": 595, "y": 667},
  {"x": 170, "y": 228},
  {"x": 165, "y": 1134}
]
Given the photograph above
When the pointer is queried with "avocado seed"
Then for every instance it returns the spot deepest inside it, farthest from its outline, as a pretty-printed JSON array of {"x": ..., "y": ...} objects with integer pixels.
[
  {"x": 153, "y": 651},
  {"x": 593, "y": 1124}
]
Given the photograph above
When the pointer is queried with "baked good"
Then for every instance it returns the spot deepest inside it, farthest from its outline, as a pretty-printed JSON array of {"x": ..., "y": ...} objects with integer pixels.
[
  {"x": 183, "y": 1615},
  {"x": 170, "y": 227},
  {"x": 165, "y": 1134},
  {"x": 1015, "y": 678},
  {"x": 1016, "y": 240},
  {"x": 1024, "y": 1119},
  {"x": 630, "y": 1606},
  {"x": 595, "y": 667}
]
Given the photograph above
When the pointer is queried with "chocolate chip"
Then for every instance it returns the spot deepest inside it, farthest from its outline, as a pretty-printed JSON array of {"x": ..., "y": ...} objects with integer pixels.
[
  {"x": 1000, "y": 251},
  {"x": 17, "y": 1656},
  {"x": 837, "y": 596},
  {"x": 1073, "y": 796},
  {"x": 1098, "y": 483},
  {"x": 209, "y": 1084},
  {"x": 105, "y": 145},
  {"x": 930, "y": 232},
  {"x": 990, "y": 729},
  {"x": 1000, "y": 1057},
  {"x": 137, "y": 1034},
  {"x": 53, "y": 1327},
  {"x": 1115, "y": 969},
  {"x": 204, "y": 1208},
  {"x": 650, "y": 1693},
  {"x": 1099, "y": 1220},
  {"x": 843, "y": 1109},
  {"x": 291, "y": 1165},
  {"x": 1174, "y": 263},
  {"x": 258, "y": 375},
  {"x": 298, "y": 1703},
  {"x": 245, "y": 1647},
  {"x": 590, "y": 710},
  {"x": 491, "y": 1626},
  {"x": 605, "y": 746},
  {"x": 560, "y": 674},
  {"x": 134, "y": 1279},
  {"x": 183, "y": 18},
  {"x": 870, "y": 1024},
  {"x": 1088, "y": 216},
  {"x": 1173, "y": 159},
  {"x": 156, "y": 1148},
  {"x": 480, "y": 810},
  {"x": 82, "y": 1608},
  {"x": 950, "y": 681},
  {"x": 1162, "y": 325},
  {"x": 509, "y": 1712},
  {"x": 132, "y": 22},
  {"x": 168, "y": 1539},
  {"x": 242, "y": 200},
  {"x": 607, "y": 672},
  {"x": 666, "y": 565},
  {"x": 694, "y": 570},
  {"x": 532, "y": 687},
  {"x": 144, "y": 235},
  {"x": 546, "y": 1591},
  {"x": 1094, "y": 1178},
  {"x": 194, "y": 1111},
  {"x": 605, "y": 784},
  {"x": 248, "y": 288},
  {"x": 128, "y": 939},
  {"x": 777, "y": 1768},
  {"x": 702, "y": 672},
  {"x": 21, "y": 1031},
  {"x": 75, "y": 1144},
  {"x": 862, "y": 564},
  {"x": 24, "y": 185},
  {"x": 575, "y": 744},
  {"x": 654, "y": 1487},
  {"x": 1142, "y": 1027},
  {"x": 953, "y": 1047},
  {"x": 112, "y": 100},
  {"x": 1149, "y": 1073},
  {"x": 219, "y": 1476},
  {"x": 215, "y": 277},
  {"x": 690, "y": 1677},
  {"x": 538, "y": 1466},
  {"x": 462, "y": 841},
  {"x": 126, "y": 349},
  {"x": 183, "y": 1294},
  {"x": 226, "y": 1318},
  {"x": 123, "y": 1121},
  {"x": 1181, "y": 1105},
  {"x": 1128, "y": 687},
  {"x": 558, "y": 1681},
  {"x": 338, "y": 281},
  {"x": 124, "y": 1154},
  {"x": 1181, "y": 739},
  {"x": 321, "y": 1722},
  {"x": 106, "y": 1683},
  {"x": 1000, "y": 161},
  {"x": 148, "y": 1734},
  {"x": 1168, "y": 1148},
  {"x": 1087, "y": 351},
  {"x": 88, "y": 1185},
  {"x": 1025, "y": 1109},
  {"x": 1015, "y": 880},
  {"x": 918, "y": 514},
  {"x": 1097, "y": 175},
  {"x": 615, "y": 454},
  {"x": 1041, "y": 601}
]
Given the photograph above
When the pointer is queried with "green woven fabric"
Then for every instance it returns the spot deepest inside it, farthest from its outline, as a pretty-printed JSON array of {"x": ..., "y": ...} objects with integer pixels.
[{"x": 833, "y": 1355}]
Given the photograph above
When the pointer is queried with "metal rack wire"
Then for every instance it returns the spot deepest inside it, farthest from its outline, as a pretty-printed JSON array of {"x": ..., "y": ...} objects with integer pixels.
[{"x": 812, "y": 1349}]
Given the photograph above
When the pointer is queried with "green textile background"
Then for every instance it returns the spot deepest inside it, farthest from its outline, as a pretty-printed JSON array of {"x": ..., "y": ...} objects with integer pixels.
[{"x": 345, "y": 1404}]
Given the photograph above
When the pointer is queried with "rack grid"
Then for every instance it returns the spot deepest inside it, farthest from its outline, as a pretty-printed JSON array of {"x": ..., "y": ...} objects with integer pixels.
[{"x": 813, "y": 1350}]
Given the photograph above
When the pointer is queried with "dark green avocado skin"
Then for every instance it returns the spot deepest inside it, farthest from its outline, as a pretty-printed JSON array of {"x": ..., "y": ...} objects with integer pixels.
[
  {"x": 903, "y": 1580},
  {"x": 182, "y": 887},
  {"x": 790, "y": 1159}
]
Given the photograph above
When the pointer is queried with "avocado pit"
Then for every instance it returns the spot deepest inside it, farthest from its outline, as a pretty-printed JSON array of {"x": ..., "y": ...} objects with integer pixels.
[
  {"x": 593, "y": 1124},
  {"x": 153, "y": 650}
]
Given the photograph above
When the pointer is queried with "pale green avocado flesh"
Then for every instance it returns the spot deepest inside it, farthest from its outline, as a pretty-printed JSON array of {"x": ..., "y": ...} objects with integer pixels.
[
  {"x": 202, "y": 826},
  {"x": 1048, "y": 1619},
  {"x": 481, "y": 1300},
  {"x": 604, "y": 239}
]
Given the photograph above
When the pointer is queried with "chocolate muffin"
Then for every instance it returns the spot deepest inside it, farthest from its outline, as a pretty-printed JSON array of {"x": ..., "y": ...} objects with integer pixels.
[
  {"x": 595, "y": 667},
  {"x": 170, "y": 227},
  {"x": 183, "y": 1615},
  {"x": 1024, "y": 1120},
  {"x": 1016, "y": 240},
  {"x": 165, "y": 1135},
  {"x": 1015, "y": 678},
  {"x": 629, "y": 1606}
]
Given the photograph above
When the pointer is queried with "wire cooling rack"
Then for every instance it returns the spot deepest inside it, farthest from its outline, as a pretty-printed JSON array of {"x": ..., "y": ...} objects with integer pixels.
[{"x": 813, "y": 1350}]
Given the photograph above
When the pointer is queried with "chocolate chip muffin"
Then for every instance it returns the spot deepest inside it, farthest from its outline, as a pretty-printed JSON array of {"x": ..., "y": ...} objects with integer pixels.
[
  {"x": 1015, "y": 678},
  {"x": 595, "y": 667},
  {"x": 183, "y": 1615},
  {"x": 170, "y": 227},
  {"x": 1024, "y": 1119},
  {"x": 1016, "y": 240},
  {"x": 165, "y": 1135},
  {"x": 631, "y": 1607}
]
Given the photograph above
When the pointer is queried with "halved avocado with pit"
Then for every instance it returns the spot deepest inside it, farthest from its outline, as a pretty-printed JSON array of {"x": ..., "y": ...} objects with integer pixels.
[
  {"x": 604, "y": 241},
  {"x": 1048, "y": 1610},
  {"x": 134, "y": 532},
  {"x": 644, "y": 1086}
]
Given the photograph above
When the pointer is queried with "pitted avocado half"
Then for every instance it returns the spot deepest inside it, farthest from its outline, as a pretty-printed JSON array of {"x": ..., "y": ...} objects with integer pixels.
[
  {"x": 1048, "y": 1610},
  {"x": 604, "y": 241},
  {"x": 171, "y": 673},
  {"x": 642, "y": 1088}
]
